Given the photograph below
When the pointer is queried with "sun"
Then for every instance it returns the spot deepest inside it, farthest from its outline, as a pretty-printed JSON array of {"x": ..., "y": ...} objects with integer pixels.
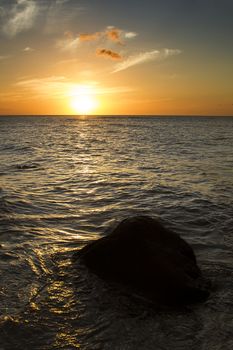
[
  {"x": 83, "y": 100},
  {"x": 83, "y": 104}
]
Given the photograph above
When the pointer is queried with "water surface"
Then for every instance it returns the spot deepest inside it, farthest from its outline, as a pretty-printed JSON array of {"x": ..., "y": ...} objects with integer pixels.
[{"x": 64, "y": 181}]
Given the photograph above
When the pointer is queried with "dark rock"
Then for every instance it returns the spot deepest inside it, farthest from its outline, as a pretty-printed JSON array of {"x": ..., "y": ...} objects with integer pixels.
[{"x": 142, "y": 254}]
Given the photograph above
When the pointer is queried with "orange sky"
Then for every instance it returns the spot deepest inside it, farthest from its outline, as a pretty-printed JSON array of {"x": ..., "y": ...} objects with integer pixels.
[{"x": 73, "y": 57}]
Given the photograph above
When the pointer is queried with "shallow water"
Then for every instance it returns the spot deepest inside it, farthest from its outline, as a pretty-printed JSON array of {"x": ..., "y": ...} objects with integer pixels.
[{"x": 64, "y": 181}]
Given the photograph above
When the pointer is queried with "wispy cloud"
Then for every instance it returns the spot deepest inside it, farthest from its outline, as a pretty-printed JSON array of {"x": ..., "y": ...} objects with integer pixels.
[
  {"x": 71, "y": 42},
  {"x": 51, "y": 16},
  {"x": 20, "y": 17},
  {"x": 28, "y": 49},
  {"x": 130, "y": 35},
  {"x": 110, "y": 34},
  {"x": 10, "y": 96},
  {"x": 4, "y": 57},
  {"x": 51, "y": 86},
  {"x": 89, "y": 37},
  {"x": 108, "y": 54},
  {"x": 59, "y": 87},
  {"x": 68, "y": 43},
  {"x": 154, "y": 55}
]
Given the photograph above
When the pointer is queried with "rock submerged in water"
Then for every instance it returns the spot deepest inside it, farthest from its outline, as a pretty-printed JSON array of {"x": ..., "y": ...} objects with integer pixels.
[{"x": 142, "y": 254}]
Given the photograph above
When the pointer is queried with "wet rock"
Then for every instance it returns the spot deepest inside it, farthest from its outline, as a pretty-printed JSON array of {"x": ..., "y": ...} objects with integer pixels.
[{"x": 142, "y": 254}]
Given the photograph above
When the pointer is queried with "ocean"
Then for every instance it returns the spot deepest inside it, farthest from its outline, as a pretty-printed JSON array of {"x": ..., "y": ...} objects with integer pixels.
[{"x": 64, "y": 181}]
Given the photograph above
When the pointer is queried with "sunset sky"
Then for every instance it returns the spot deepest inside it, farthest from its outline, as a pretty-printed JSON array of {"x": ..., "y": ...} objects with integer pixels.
[{"x": 116, "y": 57}]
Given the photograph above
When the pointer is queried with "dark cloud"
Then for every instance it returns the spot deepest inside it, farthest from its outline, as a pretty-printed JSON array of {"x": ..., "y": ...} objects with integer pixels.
[{"x": 108, "y": 54}]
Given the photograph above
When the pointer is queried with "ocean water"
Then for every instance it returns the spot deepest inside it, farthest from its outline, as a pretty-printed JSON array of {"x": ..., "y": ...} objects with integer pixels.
[{"x": 64, "y": 181}]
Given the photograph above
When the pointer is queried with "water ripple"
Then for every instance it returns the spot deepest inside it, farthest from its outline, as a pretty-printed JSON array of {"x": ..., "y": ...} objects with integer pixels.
[{"x": 70, "y": 179}]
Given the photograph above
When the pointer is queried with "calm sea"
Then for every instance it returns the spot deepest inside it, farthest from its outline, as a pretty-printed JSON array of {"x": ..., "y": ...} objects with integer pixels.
[{"x": 64, "y": 181}]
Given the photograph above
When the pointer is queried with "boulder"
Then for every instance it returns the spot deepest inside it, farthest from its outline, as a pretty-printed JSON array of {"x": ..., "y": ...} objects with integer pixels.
[{"x": 140, "y": 253}]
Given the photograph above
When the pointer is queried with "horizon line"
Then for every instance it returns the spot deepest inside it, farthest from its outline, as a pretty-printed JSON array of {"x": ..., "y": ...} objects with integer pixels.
[{"x": 115, "y": 115}]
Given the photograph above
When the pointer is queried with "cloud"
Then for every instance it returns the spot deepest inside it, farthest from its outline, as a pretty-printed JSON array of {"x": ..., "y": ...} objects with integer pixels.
[
  {"x": 170, "y": 52},
  {"x": 117, "y": 35},
  {"x": 145, "y": 57},
  {"x": 113, "y": 34},
  {"x": 20, "y": 17},
  {"x": 68, "y": 43},
  {"x": 51, "y": 86},
  {"x": 110, "y": 34},
  {"x": 28, "y": 49},
  {"x": 51, "y": 16},
  {"x": 71, "y": 42},
  {"x": 90, "y": 37},
  {"x": 10, "y": 96},
  {"x": 108, "y": 54},
  {"x": 4, "y": 57},
  {"x": 130, "y": 35},
  {"x": 59, "y": 87}
]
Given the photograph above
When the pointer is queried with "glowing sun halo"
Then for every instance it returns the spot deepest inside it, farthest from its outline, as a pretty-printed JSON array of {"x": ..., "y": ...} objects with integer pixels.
[{"x": 83, "y": 100}]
